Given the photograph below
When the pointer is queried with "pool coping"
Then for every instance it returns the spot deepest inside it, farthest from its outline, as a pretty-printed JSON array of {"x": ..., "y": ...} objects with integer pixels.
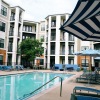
[{"x": 51, "y": 88}]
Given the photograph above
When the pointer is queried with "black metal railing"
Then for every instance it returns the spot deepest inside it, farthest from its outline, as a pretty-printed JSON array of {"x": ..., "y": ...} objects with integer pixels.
[
  {"x": 12, "y": 18},
  {"x": 53, "y": 38},
  {"x": 62, "y": 52},
  {"x": 71, "y": 52},
  {"x": 30, "y": 94},
  {"x": 52, "y": 52},
  {"x": 11, "y": 33},
  {"x": 10, "y": 48}
]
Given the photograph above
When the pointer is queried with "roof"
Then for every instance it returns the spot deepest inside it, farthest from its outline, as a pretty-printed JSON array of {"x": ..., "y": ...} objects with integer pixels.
[{"x": 57, "y": 14}]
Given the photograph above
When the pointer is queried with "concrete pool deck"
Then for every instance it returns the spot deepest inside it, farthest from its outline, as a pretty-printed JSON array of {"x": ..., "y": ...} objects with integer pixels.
[{"x": 54, "y": 92}]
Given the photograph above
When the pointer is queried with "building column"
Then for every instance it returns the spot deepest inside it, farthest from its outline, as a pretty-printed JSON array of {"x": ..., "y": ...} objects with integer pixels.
[
  {"x": 57, "y": 49},
  {"x": 15, "y": 37}
]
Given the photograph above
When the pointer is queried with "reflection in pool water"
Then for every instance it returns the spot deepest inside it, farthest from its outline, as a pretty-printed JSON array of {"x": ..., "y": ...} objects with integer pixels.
[{"x": 13, "y": 87}]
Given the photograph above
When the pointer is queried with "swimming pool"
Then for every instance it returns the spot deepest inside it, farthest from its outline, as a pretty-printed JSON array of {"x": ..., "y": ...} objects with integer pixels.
[{"x": 13, "y": 87}]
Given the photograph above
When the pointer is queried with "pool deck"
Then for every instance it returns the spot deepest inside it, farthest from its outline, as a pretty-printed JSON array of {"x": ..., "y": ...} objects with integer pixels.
[{"x": 54, "y": 92}]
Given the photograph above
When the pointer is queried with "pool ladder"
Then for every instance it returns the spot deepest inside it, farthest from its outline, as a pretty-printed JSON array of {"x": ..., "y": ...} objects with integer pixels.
[{"x": 26, "y": 96}]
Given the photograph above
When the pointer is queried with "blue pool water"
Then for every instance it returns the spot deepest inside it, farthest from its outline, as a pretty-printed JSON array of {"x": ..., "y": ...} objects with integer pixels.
[{"x": 13, "y": 87}]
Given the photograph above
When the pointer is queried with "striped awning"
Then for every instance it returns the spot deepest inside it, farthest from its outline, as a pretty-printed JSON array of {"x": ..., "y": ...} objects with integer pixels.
[{"x": 84, "y": 22}]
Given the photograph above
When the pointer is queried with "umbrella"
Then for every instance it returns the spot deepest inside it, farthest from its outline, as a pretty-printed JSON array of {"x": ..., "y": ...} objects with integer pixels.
[
  {"x": 89, "y": 52},
  {"x": 84, "y": 22}
]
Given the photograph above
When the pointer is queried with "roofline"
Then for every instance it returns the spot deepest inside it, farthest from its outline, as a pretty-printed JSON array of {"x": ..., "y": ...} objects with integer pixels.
[
  {"x": 29, "y": 21},
  {"x": 57, "y": 14},
  {"x": 5, "y": 2},
  {"x": 17, "y": 6}
]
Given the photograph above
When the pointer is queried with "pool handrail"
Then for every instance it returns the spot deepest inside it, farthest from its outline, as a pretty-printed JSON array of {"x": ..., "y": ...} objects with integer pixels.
[{"x": 29, "y": 94}]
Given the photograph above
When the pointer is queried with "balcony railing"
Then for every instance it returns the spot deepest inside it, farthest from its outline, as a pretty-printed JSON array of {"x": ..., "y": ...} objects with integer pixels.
[
  {"x": 62, "y": 39},
  {"x": 20, "y": 19},
  {"x": 71, "y": 52},
  {"x": 52, "y": 52},
  {"x": 71, "y": 38},
  {"x": 62, "y": 52},
  {"x": 53, "y": 25},
  {"x": 18, "y": 34},
  {"x": 10, "y": 48},
  {"x": 12, "y": 18},
  {"x": 53, "y": 38},
  {"x": 46, "y": 39},
  {"x": 47, "y": 26},
  {"x": 11, "y": 33}
]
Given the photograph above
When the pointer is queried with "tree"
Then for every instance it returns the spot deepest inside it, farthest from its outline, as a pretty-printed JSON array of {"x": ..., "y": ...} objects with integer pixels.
[{"x": 30, "y": 49}]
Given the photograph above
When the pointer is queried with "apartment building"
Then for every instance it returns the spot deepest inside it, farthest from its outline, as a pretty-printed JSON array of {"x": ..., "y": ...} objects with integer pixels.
[
  {"x": 84, "y": 61},
  {"x": 4, "y": 23},
  {"x": 14, "y": 35},
  {"x": 30, "y": 30},
  {"x": 96, "y": 59},
  {"x": 60, "y": 45},
  {"x": 11, "y": 23}
]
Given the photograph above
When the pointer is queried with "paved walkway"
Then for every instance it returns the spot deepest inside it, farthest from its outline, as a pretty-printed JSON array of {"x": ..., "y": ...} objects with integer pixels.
[{"x": 54, "y": 92}]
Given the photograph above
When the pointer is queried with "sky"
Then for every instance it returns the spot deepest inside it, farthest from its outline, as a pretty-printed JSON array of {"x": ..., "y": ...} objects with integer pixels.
[{"x": 38, "y": 10}]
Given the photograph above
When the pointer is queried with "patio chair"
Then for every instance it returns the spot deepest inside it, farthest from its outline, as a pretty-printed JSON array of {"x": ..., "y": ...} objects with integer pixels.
[
  {"x": 19, "y": 67},
  {"x": 82, "y": 97},
  {"x": 8, "y": 68},
  {"x": 91, "y": 77},
  {"x": 89, "y": 90},
  {"x": 4, "y": 67}
]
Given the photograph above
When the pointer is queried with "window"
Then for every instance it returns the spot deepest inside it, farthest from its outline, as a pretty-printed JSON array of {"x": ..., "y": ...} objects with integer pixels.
[
  {"x": 1, "y": 43},
  {"x": 3, "y": 10},
  {"x": 70, "y": 61},
  {"x": 41, "y": 61},
  {"x": 85, "y": 63},
  {"x": 2, "y": 26},
  {"x": 1, "y": 59},
  {"x": 42, "y": 27}
]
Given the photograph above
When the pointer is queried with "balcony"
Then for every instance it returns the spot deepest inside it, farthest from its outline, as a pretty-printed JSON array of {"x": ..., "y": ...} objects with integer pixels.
[
  {"x": 46, "y": 39},
  {"x": 47, "y": 26},
  {"x": 18, "y": 50},
  {"x": 20, "y": 19},
  {"x": 52, "y": 52},
  {"x": 18, "y": 34},
  {"x": 11, "y": 33},
  {"x": 12, "y": 18},
  {"x": 71, "y": 52},
  {"x": 10, "y": 48},
  {"x": 62, "y": 52},
  {"x": 62, "y": 39},
  {"x": 53, "y": 38},
  {"x": 71, "y": 38},
  {"x": 53, "y": 25}
]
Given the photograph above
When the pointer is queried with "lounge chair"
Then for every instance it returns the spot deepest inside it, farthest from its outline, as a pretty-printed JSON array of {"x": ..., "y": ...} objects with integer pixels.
[
  {"x": 91, "y": 77},
  {"x": 81, "y": 97},
  {"x": 19, "y": 67},
  {"x": 4, "y": 67},
  {"x": 86, "y": 89},
  {"x": 8, "y": 68}
]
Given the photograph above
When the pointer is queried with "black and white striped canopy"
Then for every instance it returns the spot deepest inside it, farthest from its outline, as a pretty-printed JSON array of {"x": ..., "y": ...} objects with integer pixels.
[{"x": 84, "y": 22}]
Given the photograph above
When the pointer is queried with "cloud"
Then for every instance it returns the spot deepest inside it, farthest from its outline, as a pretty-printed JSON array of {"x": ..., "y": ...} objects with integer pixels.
[
  {"x": 14, "y": 2},
  {"x": 27, "y": 16},
  {"x": 42, "y": 8}
]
